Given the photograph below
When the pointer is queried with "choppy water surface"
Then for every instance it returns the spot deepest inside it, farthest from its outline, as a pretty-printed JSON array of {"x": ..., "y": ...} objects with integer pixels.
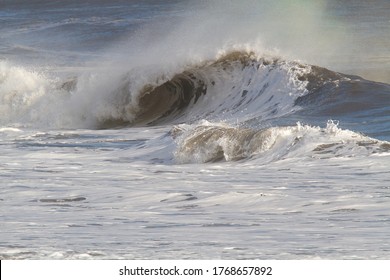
[{"x": 164, "y": 130}]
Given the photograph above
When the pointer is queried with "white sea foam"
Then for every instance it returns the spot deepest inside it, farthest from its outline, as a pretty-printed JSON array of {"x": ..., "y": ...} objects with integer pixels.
[{"x": 120, "y": 194}]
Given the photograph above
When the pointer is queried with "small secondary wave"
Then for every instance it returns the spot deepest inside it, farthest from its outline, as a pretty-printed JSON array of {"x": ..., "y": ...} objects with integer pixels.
[{"x": 210, "y": 142}]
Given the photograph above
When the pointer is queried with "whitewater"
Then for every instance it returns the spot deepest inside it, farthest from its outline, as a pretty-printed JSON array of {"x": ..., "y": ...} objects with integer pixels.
[{"x": 182, "y": 130}]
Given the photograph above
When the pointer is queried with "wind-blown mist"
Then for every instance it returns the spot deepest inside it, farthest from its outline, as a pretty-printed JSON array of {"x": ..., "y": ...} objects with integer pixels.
[{"x": 292, "y": 29}]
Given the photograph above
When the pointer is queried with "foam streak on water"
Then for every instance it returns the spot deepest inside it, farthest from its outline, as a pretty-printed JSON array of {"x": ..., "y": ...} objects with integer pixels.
[{"x": 83, "y": 194}]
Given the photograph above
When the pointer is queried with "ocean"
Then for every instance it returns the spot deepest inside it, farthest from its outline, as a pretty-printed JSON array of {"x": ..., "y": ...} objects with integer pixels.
[{"x": 194, "y": 129}]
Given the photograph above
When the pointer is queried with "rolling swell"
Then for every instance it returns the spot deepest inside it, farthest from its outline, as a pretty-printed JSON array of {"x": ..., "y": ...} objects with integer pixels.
[
  {"x": 327, "y": 90},
  {"x": 359, "y": 104}
]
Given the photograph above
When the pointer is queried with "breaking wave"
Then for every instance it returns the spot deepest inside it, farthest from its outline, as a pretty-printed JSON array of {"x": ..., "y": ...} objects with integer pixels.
[
  {"x": 237, "y": 106},
  {"x": 237, "y": 85}
]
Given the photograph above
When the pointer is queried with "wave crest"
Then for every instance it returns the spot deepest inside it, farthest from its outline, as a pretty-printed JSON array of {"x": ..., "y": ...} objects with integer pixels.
[{"x": 237, "y": 85}]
